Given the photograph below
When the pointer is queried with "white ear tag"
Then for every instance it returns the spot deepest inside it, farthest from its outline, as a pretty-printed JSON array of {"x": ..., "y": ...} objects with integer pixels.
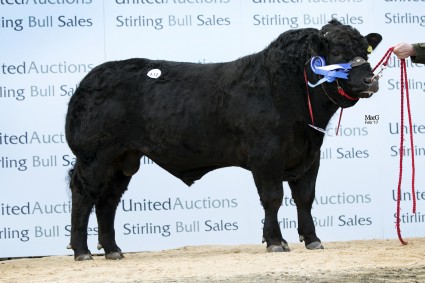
[{"x": 154, "y": 73}]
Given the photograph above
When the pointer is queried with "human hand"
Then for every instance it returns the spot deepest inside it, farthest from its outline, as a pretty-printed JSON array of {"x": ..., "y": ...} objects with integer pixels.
[{"x": 403, "y": 50}]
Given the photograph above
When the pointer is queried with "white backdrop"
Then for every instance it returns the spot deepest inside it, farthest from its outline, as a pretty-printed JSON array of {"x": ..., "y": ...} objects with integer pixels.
[{"x": 47, "y": 46}]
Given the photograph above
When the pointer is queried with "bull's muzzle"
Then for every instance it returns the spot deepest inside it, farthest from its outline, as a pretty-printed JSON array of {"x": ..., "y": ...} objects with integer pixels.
[{"x": 372, "y": 87}]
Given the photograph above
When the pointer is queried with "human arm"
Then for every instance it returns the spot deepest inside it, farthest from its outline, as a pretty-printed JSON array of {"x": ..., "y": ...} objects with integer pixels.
[{"x": 419, "y": 56}]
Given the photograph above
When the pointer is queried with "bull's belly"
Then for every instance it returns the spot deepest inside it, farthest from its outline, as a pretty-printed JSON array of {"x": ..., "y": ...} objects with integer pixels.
[
  {"x": 190, "y": 159},
  {"x": 189, "y": 166}
]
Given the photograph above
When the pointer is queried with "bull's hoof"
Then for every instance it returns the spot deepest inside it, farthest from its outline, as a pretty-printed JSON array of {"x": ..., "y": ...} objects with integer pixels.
[
  {"x": 114, "y": 256},
  {"x": 278, "y": 248},
  {"x": 315, "y": 246},
  {"x": 83, "y": 257}
]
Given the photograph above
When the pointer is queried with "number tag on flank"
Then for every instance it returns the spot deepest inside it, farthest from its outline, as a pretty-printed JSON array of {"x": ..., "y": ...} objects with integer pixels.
[{"x": 154, "y": 73}]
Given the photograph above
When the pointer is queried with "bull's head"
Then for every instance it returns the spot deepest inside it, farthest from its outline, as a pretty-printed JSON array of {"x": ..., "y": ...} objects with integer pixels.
[{"x": 342, "y": 44}]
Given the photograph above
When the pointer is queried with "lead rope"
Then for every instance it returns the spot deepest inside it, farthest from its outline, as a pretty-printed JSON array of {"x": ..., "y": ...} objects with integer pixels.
[
  {"x": 339, "y": 120},
  {"x": 404, "y": 86},
  {"x": 310, "y": 109}
]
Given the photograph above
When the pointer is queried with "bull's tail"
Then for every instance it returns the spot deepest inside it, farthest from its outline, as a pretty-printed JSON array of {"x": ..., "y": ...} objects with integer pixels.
[
  {"x": 74, "y": 180},
  {"x": 70, "y": 174},
  {"x": 78, "y": 184}
]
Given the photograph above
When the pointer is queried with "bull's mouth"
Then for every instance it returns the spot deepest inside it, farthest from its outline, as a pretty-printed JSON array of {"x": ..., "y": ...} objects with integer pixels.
[
  {"x": 366, "y": 94},
  {"x": 372, "y": 87}
]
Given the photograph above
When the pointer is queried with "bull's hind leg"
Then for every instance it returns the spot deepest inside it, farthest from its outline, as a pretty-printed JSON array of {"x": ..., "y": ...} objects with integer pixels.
[
  {"x": 303, "y": 193},
  {"x": 82, "y": 205},
  {"x": 271, "y": 196},
  {"x": 122, "y": 169},
  {"x": 105, "y": 211}
]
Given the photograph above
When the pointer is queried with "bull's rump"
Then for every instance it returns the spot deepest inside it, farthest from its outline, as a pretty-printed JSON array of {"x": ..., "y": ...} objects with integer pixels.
[{"x": 190, "y": 119}]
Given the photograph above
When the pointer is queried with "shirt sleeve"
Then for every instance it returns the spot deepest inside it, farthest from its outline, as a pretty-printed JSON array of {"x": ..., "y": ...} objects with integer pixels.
[{"x": 419, "y": 53}]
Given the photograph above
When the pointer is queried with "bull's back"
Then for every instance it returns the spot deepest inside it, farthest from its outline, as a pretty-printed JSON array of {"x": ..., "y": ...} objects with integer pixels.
[{"x": 119, "y": 101}]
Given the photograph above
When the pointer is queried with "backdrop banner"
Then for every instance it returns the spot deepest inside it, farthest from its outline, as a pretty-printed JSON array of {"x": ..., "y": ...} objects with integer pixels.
[{"x": 48, "y": 46}]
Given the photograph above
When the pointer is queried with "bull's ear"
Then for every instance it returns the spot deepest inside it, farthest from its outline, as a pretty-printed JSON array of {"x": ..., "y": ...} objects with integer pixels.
[
  {"x": 316, "y": 44},
  {"x": 373, "y": 39}
]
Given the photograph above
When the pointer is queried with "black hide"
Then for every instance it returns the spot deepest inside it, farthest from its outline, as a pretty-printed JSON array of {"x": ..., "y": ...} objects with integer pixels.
[{"x": 194, "y": 118}]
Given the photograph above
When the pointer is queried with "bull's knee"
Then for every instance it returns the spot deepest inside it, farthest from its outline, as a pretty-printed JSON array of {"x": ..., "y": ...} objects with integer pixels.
[
  {"x": 272, "y": 199},
  {"x": 130, "y": 163}
]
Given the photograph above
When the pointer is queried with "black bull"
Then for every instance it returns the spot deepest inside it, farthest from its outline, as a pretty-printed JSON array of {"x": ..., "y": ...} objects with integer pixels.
[{"x": 194, "y": 118}]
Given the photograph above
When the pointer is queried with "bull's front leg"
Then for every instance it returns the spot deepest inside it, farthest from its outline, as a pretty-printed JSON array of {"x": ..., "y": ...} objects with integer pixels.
[
  {"x": 271, "y": 196},
  {"x": 303, "y": 193}
]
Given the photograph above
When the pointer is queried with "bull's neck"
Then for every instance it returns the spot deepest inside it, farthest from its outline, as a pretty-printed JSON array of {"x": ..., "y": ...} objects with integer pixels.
[
  {"x": 286, "y": 61},
  {"x": 323, "y": 110}
]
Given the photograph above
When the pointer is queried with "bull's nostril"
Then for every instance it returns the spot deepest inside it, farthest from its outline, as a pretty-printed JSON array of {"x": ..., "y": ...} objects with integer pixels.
[{"x": 368, "y": 80}]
